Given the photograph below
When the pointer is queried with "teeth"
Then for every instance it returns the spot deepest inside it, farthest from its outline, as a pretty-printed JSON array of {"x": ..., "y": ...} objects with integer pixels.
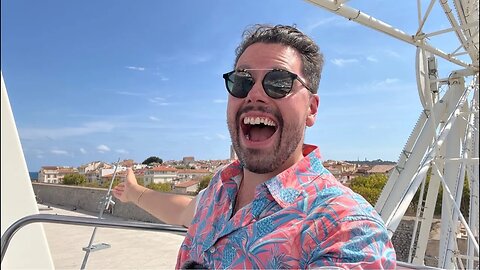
[{"x": 258, "y": 120}]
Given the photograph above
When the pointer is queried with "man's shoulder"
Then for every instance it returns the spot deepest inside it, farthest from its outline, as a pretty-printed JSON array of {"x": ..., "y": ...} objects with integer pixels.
[{"x": 328, "y": 195}]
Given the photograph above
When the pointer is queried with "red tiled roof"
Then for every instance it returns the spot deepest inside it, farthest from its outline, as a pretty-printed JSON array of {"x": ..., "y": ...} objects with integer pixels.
[
  {"x": 49, "y": 167},
  {"x": 381, "y": 168},
  {"x": 162, "y": 169},
  {"x": 193, "y": 171},
  {"x": 187, "y": 184}
]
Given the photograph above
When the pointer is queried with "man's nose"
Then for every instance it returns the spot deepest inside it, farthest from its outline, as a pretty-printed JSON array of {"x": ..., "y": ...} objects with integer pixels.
[{"x": 257, "y": 93}]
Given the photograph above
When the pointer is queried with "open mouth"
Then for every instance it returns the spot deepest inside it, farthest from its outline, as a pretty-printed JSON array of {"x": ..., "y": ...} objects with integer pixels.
[{"x": 258, "y": 129}]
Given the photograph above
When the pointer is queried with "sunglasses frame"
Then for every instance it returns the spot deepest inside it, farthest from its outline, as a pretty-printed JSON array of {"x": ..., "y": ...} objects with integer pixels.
[{"x": 293, "y": 76}]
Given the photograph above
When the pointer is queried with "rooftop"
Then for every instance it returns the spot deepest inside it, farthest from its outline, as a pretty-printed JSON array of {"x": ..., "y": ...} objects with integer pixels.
[{"x": 130, "y": 249}]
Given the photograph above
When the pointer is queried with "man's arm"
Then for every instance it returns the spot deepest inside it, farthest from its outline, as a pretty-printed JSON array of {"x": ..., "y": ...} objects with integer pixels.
[
  {"x": 355, "y": 242},
  {"x": 169, "y": 208}
]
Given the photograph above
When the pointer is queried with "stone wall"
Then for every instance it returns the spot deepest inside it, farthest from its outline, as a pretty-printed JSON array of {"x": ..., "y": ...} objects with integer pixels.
[{"x": 87, "y": 199}]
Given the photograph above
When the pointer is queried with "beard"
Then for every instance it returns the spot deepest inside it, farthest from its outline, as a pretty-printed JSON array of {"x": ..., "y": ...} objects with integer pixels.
[{"x": 263, "y": 161}]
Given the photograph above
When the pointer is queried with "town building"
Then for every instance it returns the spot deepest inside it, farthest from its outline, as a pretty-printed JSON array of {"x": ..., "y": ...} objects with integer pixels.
[
  {"x": 160, "y": 174},
  {"x": 121, "y": 176},
  {"x": 189, "y": 174},
  {"x": 55, "y": 174},
  {"x": 188, "y": 160},
  {"x": 187, "y": 187},
  {"x": 381, "y": 169}
]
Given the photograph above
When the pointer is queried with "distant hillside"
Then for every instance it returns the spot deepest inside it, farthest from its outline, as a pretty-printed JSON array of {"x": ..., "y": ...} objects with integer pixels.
[{"x": 371, "y": 162}]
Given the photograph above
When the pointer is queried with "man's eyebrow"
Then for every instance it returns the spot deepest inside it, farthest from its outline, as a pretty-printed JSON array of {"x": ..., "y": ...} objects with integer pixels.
[{"x": 242, "y": 67}]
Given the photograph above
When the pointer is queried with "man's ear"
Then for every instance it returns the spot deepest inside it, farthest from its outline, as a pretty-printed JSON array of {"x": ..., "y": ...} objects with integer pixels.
[{"x": 312, "y": 109}]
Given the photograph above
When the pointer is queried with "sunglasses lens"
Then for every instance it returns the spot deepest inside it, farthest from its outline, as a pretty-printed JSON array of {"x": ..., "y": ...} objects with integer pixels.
[
  {"x": 239, "y": 84},
  {"x": 278, "y": 83}
]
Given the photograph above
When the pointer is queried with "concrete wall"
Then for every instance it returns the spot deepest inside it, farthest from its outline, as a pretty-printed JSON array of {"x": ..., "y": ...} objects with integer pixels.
[{"x": 87, "y": 199}]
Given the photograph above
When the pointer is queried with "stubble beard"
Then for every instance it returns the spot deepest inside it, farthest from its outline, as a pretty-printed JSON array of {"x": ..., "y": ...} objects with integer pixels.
[{"x": 263, "y": 161}]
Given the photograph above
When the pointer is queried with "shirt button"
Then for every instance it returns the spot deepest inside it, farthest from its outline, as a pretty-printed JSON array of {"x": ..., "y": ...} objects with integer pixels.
[{"x": 212, "y": 249}]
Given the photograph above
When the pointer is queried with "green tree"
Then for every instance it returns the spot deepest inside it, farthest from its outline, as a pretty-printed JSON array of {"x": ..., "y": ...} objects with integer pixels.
[
  {"x": 464, "y": 203},
  {"x": 152, "y": 159},
  {"x": 165, "y": 187},
  {"x": 204, "y": 183},
  {"x": 74, "y": 179},
  {"x": 106, "y": 184},
  {"x": 370, "y": 187}
]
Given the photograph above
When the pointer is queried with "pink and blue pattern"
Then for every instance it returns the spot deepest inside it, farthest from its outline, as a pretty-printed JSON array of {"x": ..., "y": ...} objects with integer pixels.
[{"x": 302, "y": 218}]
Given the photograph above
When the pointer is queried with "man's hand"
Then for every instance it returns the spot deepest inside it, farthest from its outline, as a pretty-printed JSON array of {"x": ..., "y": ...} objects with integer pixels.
[
  {"x": 128, "y": 190},
  {"x": 168, "y": 207}
]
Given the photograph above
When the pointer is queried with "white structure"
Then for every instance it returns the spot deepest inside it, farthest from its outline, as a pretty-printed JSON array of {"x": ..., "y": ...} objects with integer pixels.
[
  {"x": 188, "y": 174},
  {"x": 139, "y": 166},
  {"x": 160, "y": 175},
  {"x": 445, "y": 137},
  {"x": 83, "y": 169},
  {"x": 54, "y": 174},
  {"x": 109, "y": 171},
  {"x": 30, "y": 249},
  {"x": 189, "y": 186}
]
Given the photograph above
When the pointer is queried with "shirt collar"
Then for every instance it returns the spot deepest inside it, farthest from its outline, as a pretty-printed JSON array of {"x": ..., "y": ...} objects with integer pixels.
[{"x": 287, "y": 185}]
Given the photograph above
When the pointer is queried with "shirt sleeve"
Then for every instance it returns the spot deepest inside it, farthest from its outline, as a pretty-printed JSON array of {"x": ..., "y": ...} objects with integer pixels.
[{"x": 355, "y": 242}]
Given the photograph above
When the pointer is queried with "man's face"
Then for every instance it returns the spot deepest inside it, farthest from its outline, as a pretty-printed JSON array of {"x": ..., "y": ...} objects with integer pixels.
[{"x": 276, "y": 142}]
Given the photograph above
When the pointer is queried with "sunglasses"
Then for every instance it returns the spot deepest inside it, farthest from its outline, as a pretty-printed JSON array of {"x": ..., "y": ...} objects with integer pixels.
[{"x": 277, "y": 83}]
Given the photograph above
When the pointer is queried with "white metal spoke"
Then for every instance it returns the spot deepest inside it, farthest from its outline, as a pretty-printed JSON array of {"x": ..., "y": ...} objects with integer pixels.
[
  {"x": 445, "y": 138},
  {"x": 457, "y": 208}
]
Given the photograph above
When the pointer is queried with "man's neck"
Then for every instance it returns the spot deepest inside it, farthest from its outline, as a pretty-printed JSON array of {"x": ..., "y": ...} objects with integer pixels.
[{"x": 251, "y": 180}]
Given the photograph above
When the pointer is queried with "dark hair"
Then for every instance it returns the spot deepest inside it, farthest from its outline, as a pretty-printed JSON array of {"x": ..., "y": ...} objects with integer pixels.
[{"x": 312, "y": 58}]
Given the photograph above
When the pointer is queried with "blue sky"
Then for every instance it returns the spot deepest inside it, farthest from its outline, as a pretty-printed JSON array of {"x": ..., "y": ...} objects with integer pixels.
[{"x": 102, "y": 80}]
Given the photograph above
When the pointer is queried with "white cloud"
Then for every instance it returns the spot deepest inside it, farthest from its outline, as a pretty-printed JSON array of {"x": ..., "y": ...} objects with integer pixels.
[
  {"x": 153, "y": 118},
  {"x": 83, "y": 151},
  {"x": 102, "y": 148},
  {"x": 342, "y": 62},
  {"x": 221, "y": 136},
  {"x": 198, "y": 59},
  {"x": 386, "y": 82},
  {"x": 135, "y": 68},
  {"x": 162, "y": 77},
  {"x": 386, "y": 85},
  {"x": 59, "y": 133},
  {"x": 372, "y": 59},
  {"x": 126, "y": 93},
  {"x": 334, "y": 21},
  {"x": 157, "y": 100},
  {"x": 393, "y": 53},
  {"x": 219, "y": 101},
  {"x": 121, "y": 151},
  {"x": 59, "y": 152}
]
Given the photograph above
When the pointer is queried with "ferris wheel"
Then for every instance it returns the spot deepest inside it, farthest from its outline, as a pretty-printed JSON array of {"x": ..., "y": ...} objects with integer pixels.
[{"x": 444, "y": 143}]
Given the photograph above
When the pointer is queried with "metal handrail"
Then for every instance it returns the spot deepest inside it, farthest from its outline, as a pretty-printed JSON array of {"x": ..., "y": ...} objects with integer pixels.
[
  {"x": 414, "y": 266},
  {"x": 82, "y": 221}
]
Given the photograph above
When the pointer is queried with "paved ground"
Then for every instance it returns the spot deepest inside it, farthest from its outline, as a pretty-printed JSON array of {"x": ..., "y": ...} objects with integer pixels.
[{"x": 130, "y": 249}]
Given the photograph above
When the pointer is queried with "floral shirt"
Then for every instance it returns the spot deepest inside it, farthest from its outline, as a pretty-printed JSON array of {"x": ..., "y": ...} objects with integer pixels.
[{"x": 301, "y": 218}]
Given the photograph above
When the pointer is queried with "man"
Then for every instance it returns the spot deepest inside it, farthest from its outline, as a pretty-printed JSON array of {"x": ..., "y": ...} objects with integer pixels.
[{"x": 276, "y": 207}]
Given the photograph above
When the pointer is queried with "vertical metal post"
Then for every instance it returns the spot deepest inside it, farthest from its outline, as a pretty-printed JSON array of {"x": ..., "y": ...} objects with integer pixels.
[{"x": 106, "y": 203}]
